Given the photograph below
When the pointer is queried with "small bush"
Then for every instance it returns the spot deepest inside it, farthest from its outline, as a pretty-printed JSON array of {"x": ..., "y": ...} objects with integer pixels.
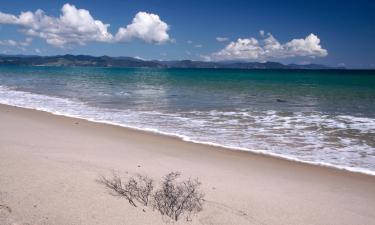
[
  {"x": 115, "y": 184},
  {"x": 138, "y": 188},
  {"x": 143, "y": 189},
  {"x": 175, "y": 199}
]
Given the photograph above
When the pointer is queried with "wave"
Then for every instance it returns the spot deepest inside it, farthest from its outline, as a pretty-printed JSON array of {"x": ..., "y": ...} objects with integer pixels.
[{"x": 133, "y": 119}]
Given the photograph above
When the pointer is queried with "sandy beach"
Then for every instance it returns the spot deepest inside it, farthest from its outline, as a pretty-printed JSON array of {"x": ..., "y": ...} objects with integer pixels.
[{"x": 49, "y": 165}]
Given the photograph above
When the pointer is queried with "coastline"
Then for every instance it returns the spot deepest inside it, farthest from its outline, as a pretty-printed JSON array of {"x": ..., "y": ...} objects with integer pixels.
[
  {"x": 190, "y": 140},
  {"x": 42, "y": 152}
]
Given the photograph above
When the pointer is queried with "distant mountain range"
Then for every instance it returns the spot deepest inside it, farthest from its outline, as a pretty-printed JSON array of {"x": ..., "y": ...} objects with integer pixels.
[{"x": 106, "y": 61}]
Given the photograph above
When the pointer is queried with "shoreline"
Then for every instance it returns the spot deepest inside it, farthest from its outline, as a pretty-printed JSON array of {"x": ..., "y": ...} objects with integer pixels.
[
  {"x": 49, "y": 164},
  {"x": 222, "y": 147}
]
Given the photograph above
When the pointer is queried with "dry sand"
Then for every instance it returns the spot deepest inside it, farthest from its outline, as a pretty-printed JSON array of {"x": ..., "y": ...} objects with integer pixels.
[{"x": 49, "y": 164}]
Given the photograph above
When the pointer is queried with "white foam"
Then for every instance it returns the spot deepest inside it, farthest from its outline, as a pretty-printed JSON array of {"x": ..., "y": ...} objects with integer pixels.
[{"x": 216, "y": 128}]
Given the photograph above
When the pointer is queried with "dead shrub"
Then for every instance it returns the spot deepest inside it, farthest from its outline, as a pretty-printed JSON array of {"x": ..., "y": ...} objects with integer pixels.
[
  {"x": 143, "y": 190},
  {"x": 136, "y": 188},
  {"x": 116, "y": 185},
  {"x": 175, "y": 198}
]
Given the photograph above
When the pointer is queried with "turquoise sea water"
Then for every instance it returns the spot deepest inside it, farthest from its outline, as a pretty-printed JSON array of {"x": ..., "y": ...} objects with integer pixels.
[{"x": 324, "y": 117}]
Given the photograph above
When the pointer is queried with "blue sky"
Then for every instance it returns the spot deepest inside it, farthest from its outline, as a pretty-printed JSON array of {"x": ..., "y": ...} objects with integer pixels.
[{"x": 326, "y": 32}]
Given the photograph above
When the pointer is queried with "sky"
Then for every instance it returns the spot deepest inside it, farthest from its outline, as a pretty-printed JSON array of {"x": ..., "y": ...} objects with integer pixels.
[{"x": 335, "y": 33}]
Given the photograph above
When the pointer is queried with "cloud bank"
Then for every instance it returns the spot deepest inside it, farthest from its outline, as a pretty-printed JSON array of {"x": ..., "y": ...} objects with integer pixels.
[
  {"x": 270, "y": 48},
  {"x": 77, "y": 26},
  {"x": 19, "y": 44}
]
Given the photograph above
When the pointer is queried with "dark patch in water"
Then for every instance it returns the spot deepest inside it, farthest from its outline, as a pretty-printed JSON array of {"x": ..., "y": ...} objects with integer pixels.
[{"x": 280, "y": 100}]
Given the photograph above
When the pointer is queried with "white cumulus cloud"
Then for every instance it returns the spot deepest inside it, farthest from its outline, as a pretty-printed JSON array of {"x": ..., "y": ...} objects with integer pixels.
[
  {"x": 270, "y": 48},
  {"x": 145, "y": 26},
  {"x": 73, "y": 26},
  {"x": 77, "y": 26},
  {"x": 310, "y": 46}
]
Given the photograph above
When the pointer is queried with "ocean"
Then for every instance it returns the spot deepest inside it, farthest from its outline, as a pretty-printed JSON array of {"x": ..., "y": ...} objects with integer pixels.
[{"x": 324, "y": 117}]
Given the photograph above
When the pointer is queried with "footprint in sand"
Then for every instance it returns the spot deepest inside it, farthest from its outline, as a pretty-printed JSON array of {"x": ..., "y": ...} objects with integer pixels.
[{"x": 5, "y": 208}]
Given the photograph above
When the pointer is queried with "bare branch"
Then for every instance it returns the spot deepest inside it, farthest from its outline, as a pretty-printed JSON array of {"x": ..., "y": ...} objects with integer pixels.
[
  {"x": 115, "y": 184},
  {"x": 144, "y": 188},
  {"x": 175, "y": 199}
]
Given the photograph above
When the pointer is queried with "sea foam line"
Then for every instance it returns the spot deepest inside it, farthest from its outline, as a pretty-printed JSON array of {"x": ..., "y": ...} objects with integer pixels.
[{"x": 156, "y": 131}]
